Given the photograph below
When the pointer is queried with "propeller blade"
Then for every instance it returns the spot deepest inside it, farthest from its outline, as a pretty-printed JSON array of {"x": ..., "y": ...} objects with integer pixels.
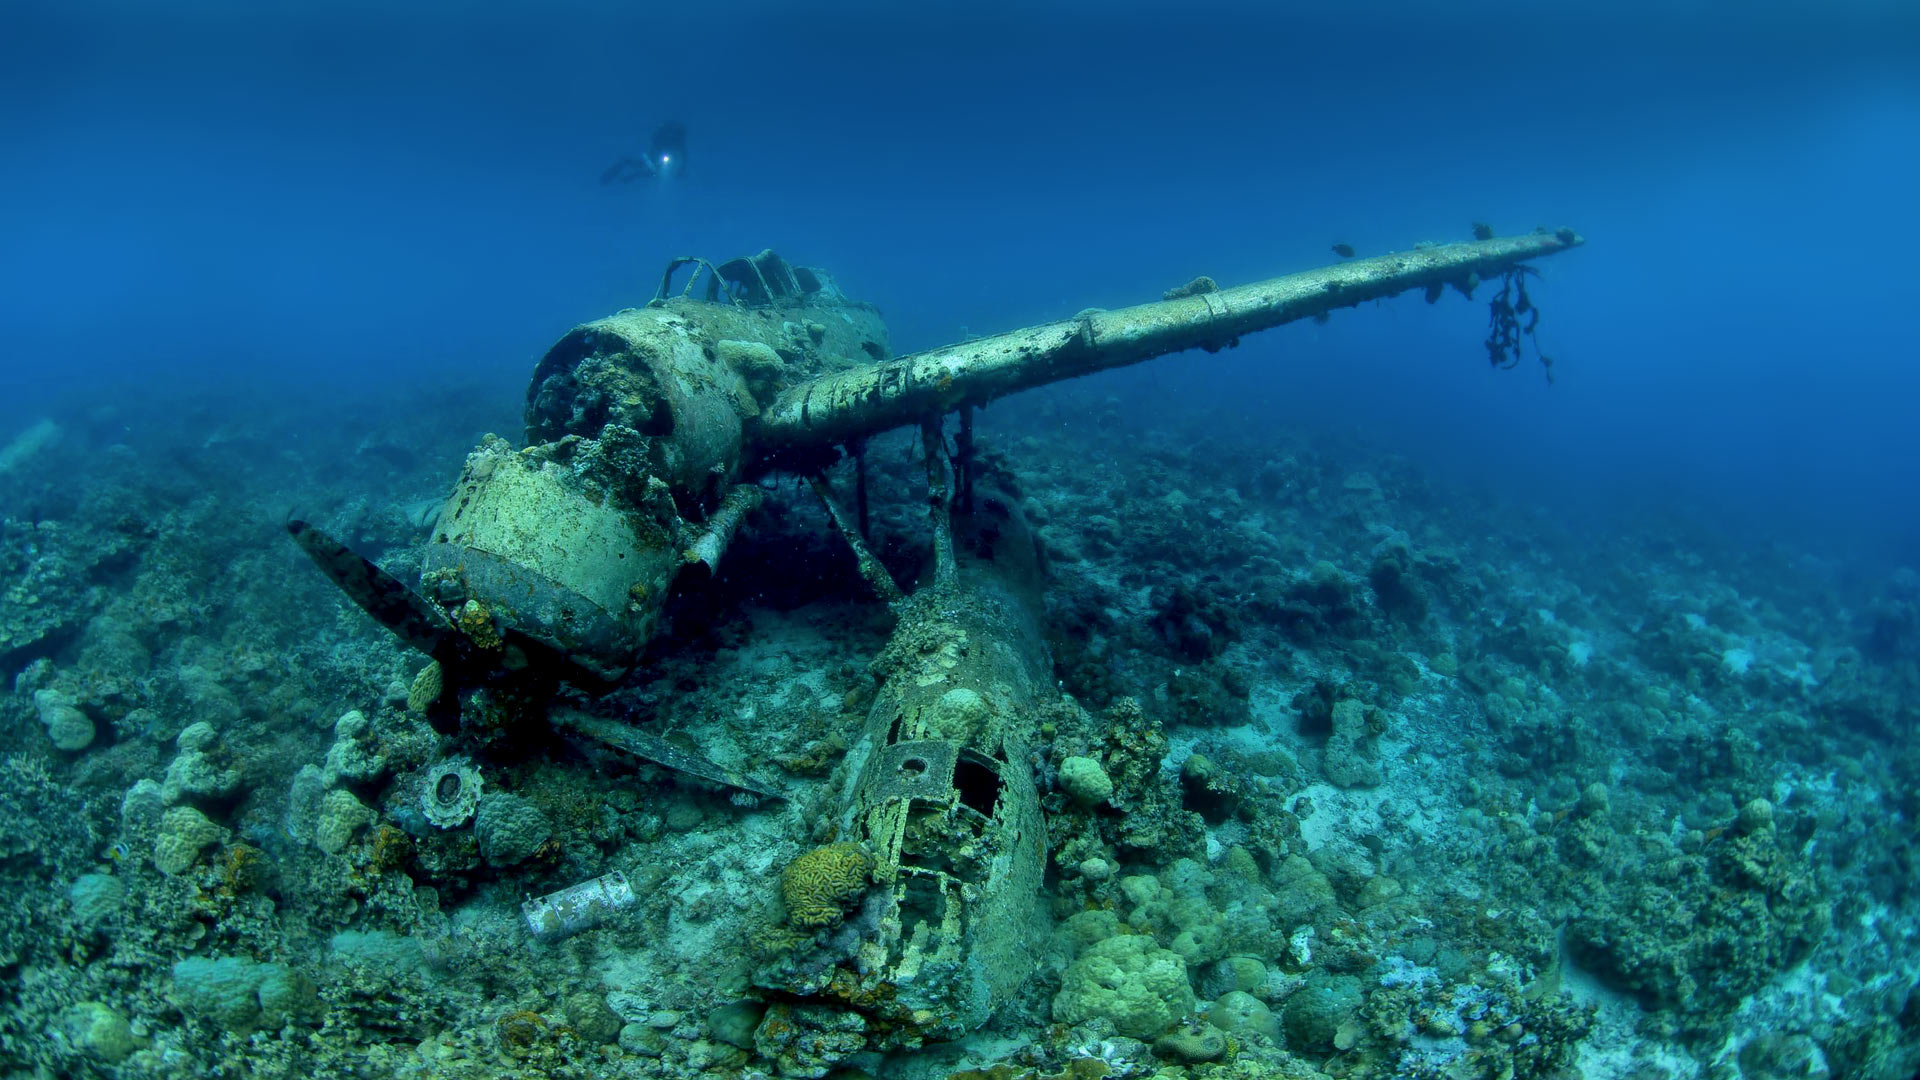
[
  {"x": 657, "y": 750},
  {"x": 408, "y": 614}
]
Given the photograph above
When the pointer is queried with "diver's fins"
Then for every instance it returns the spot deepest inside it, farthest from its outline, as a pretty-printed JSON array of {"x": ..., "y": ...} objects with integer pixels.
[
  {"x": 416, "y": 620},
  {"x": 657, "y": 750}
]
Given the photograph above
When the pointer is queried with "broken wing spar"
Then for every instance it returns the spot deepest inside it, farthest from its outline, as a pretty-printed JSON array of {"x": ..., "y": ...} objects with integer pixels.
[{"x": 850, "y": 404}]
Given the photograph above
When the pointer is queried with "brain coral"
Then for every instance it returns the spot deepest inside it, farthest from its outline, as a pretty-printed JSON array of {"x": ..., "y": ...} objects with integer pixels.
[{"x": 819, "y": 885}]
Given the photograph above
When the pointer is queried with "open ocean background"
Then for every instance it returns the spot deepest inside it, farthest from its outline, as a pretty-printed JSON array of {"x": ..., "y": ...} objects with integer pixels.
[{"x": 340, "y": 204}]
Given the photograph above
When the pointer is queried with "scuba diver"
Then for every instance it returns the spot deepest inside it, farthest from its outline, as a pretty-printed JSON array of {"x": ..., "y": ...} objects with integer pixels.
[{"x": 666, "y": 156}]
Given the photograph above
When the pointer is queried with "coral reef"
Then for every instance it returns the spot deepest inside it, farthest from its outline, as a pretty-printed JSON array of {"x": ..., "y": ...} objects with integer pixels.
[{"x": 1350, "y": 772}]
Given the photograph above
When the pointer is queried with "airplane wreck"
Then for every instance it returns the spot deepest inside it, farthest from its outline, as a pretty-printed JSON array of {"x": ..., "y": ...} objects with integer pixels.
[{"x": 648, "y": 434}]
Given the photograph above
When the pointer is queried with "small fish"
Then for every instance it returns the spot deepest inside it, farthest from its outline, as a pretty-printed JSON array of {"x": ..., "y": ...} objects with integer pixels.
[
  {"x": 120, "y": 851},
  {"x": 1345, "y": 251},
  {"x": 1482, "y": 231}
]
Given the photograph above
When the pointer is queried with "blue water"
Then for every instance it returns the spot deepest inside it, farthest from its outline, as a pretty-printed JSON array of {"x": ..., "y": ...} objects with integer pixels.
[{"x": 326, "y": 194}]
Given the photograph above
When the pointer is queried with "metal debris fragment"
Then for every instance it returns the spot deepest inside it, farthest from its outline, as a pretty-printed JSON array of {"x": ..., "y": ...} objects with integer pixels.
[{"x": 577, "y": 907}]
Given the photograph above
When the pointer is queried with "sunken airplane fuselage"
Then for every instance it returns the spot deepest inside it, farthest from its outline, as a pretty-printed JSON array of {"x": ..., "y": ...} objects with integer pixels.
[
  {"x": 560, "y": 555},
  {"x": 944, "y": 799},
  {"x": 645, "y": 432}
]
